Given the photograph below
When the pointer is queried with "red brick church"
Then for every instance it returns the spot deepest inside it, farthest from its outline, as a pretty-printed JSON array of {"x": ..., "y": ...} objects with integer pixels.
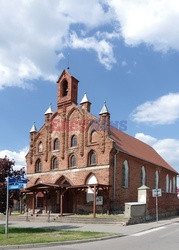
[{"x": 78, "y": 162}]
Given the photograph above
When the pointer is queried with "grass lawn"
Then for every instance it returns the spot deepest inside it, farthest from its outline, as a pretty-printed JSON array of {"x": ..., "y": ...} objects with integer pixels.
[{"x": 19, "y": 236}]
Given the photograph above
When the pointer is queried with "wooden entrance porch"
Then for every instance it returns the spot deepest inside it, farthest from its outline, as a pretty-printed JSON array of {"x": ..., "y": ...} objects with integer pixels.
[{"x": 63, "y": 196}]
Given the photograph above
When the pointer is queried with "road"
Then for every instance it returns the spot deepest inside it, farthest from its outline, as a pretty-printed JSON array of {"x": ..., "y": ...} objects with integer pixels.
[{"x": 162, "y": 238}]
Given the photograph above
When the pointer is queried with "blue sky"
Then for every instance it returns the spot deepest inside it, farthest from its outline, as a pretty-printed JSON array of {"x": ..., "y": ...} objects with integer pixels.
[{"x": 124, "y": 52}]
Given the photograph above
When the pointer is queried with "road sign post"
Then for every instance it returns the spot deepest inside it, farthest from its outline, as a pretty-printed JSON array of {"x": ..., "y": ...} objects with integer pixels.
[
  {"x": 156, "y": 193},
  {"x": 13, "y": 183},
  {"x": 156, "y": 201},
  {"x": 7, "y": 208}
]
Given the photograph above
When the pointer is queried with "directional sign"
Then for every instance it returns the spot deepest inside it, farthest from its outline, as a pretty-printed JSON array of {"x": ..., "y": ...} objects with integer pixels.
[
  {"x": 157, "y": 192},
  {"x": 12, "y": 180},
  {"x": 22, "y": 180},
  {"x": 15, "y": 187}
]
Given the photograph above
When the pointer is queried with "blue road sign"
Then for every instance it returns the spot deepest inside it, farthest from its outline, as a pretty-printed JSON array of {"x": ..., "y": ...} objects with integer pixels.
[
  {"x": 12, "y": 180},
  {"x": 15, "y": 187},
  {"x": 22, "y": 180}
]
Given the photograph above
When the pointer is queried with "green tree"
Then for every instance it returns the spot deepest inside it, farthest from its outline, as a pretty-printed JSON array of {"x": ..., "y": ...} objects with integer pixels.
[{"x": 6, "y": 169}]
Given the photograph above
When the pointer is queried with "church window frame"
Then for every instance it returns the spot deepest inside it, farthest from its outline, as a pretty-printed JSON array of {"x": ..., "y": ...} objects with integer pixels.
[
  {"x": 167, "y": 183},
  {"x": 72, "y": 161},
  {"x": 56, "y": 144},
  {"x": 38, "y": 166},
  {"x": 74, "y": 141},
  {"x": 156, "y": 179},
  {"x": 174, "y": 184},
  {"x": 125, "y": 174},
  {"x": 40, "y": 147},
  {"x": 55, "y": 163},
  {"x": 93, "y": 135},
  {"x": 143, "y": 176},
  {"x": 92, "y": 158},
  {"x": 90, "y": 192}
]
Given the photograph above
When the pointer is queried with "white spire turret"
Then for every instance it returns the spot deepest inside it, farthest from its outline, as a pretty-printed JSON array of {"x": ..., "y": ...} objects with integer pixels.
[
  {"x": 104, "y": 109},
  {"x": 49, "y": 110},
  {"x": 85, "y": 103},
  {"x": 33, "y": 129},
  {"x": 84, "y": 99}
]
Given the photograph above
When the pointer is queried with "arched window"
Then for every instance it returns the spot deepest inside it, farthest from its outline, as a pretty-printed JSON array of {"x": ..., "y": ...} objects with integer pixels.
[
  {"x": 93, "y": 136},
  {"x": 38, "y": 167},
  {"x": 56, "y": 144},
  {"x": 64, "y": 88},
  {"x": 156, "y": 179},
  {"x": 92, "y": 158},
  {"x": 40, "y": 147},
  {"x": 125, "y": 174},
  {"x": 170, "y": 186},
  {"x": 143, "y": 176},
  {"x": 174, "y": 185},
  {"x": 55, "y": 163},
  {"x": 167, "y": 183},
  {"x": 90, "y": 193},
  {"x": 73, "y": 141},
  {"x": 72, "y": 161}
]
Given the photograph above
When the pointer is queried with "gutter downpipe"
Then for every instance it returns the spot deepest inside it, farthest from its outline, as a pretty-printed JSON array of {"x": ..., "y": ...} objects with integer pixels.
[{"x": 114, "y": 175}]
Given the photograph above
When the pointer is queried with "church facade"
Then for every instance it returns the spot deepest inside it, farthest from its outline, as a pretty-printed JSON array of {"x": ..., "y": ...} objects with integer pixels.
[{"x": 76, "y": 156}]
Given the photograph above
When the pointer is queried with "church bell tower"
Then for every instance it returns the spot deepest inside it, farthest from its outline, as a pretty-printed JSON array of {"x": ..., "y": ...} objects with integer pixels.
[{"x": 67, "y": 90}]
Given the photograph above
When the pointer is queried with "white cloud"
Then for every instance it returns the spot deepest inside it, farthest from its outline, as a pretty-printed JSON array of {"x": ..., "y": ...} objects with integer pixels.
[
  {"x": 107, "y": 35},
  {"x": 146, "y": 138},
  {"x": 168, "y": 148},
  {"x": 124, "y": 63},
  {"x": 18, "y": 157},
  {"x": 90, "y": 13},
  {"x": 33, "y": 33},
  {"x": 151, "y": 22},
  {"x": 102, "y": 47},
  {"x": 164, "y": 110}
]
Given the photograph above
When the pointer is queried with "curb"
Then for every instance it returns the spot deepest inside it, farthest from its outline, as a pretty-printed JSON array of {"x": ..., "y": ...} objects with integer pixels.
[
  {"x": 51, "y": 244},
  {"x": 153, "y": 227}
]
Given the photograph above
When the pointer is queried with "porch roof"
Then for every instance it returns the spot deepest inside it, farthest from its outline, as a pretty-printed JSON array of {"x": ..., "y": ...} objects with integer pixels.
[
  {"x": 85, "y": 186},
  {"x": 44, "y": 187},
  {"x": 49, "y": 186}
]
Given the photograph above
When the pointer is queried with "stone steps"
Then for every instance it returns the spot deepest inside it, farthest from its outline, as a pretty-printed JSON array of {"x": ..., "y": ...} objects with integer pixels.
[{"x": 67, "y": 219}]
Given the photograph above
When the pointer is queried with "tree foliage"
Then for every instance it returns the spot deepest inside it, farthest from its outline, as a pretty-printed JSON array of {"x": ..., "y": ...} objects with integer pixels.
[{"x": 6, "y": 169}]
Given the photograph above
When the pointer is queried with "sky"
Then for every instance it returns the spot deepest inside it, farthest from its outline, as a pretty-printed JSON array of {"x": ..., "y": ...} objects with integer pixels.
[{"x": 124, "y": 52}]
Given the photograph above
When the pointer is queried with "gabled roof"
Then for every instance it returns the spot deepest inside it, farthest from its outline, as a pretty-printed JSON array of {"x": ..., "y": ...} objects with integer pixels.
[
  {"x": 65, "y": 72},
  {"x": 134, "y": 147}
]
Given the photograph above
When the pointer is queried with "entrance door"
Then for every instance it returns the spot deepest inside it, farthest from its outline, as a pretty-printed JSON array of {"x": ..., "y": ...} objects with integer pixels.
[{"x": 68, "y": 202}]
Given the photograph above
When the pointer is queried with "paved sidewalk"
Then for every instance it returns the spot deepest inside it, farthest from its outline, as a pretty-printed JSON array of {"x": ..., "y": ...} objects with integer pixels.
[{"x": 113, "y": 228}]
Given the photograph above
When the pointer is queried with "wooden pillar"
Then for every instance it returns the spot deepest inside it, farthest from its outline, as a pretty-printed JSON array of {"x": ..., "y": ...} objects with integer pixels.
[
  {"x": 20, "y": 204},
  {"x": 75, "y": 208},
  {"x": 108, "y": 202},
  {"x": 46, "y": 202},
  {"x": 94, "y": 202},
  {"x": 60, "y": 201},
  {"x": 33, "y": 203},
  {"x": 61, "y": 204}
]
